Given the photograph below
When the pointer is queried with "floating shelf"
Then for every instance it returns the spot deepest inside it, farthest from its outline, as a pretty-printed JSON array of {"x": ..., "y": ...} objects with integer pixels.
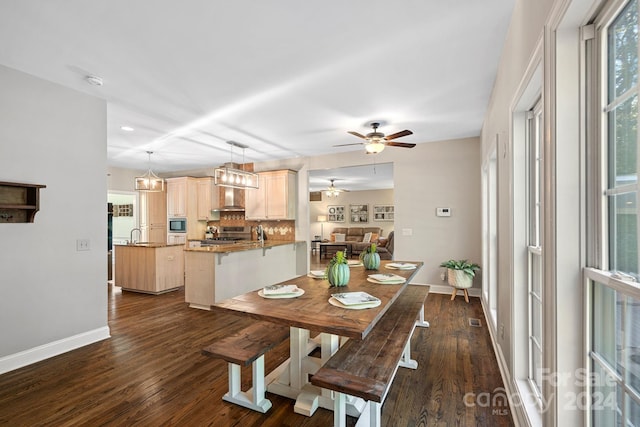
[{"x": 19, "y": 202}]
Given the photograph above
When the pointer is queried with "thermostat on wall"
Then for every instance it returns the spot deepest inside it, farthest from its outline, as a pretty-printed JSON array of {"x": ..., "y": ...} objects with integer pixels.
[{"x": 443, "y": 212}]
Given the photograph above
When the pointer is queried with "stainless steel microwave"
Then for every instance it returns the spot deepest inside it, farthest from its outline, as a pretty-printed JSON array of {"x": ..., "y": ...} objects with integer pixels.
[{"x": 177, "y": 225}]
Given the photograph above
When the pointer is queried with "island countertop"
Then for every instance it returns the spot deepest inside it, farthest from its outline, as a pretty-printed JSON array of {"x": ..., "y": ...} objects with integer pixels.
[
  {"x": 239, "y": 247},
  {"x": 216, "y": 273},
  {"x": 149, "y": 245}
]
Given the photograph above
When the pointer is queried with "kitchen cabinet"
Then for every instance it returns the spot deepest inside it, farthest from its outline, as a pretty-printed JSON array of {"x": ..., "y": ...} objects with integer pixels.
[
  {"x": 208, "y": 199},
  {"x": 149, "y": 268},
  {"x": 177, "y": 197},
  {"x": 176, "y": 239},
  {"x": 153, "y": 216},
  {"x": 276, "y": 197},
  {"x": 182, "y": 202}
]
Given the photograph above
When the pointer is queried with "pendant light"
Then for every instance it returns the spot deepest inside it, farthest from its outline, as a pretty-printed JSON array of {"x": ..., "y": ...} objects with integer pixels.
[
  {"x": 226, "y": 176},
  {"x": 149, "y": 182}
]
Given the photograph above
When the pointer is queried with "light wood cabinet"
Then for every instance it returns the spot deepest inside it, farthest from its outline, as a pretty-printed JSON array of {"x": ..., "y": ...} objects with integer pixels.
[
  {"x": 182, "y": 202},
  {"x": 153, "y": 216},
  {"x": 208, "y": 199},
  {"x": 149, "y": 269},
  {"x": 176, "y": 239},
  {"x": 276, "y": 197},
  {"x": 176, "y": 197}
]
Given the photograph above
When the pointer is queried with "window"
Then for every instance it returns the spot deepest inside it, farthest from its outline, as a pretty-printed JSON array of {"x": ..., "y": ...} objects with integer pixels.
[
  {"x": 614, "y": 298},
  {"x": 534, "y": 247}
]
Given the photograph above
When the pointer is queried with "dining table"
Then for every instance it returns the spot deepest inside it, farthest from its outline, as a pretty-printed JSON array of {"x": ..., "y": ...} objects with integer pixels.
[{"x": 317, "y": 320}]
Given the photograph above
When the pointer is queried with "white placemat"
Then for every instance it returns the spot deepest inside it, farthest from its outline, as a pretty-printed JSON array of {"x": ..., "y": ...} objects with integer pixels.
[
  {"x": 281, "y": 296},
  {"x": 388, "y": 279},
  {"x": 360, "y": 306},
  {"x": 401, "y": 266}
]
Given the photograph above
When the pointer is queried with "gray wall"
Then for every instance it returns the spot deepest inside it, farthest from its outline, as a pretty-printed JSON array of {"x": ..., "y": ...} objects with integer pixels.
[
  {"x": 50, "y": 294},
  {"x": 431, "y": 175}
]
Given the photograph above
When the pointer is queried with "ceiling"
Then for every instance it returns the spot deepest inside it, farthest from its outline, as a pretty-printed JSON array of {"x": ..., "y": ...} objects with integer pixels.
[
  {"x": 285, "y": 78},
  {"x": 353, "y": 178}
]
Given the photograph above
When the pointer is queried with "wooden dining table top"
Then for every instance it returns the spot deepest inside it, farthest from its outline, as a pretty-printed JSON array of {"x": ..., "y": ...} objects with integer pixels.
[{"x": 313, "y": 311}]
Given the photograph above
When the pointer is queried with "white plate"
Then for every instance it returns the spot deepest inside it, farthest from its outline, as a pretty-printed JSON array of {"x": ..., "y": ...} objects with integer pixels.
[
  {"x": 337, "y": 303},
  {"x": 313, "y": 276},
  {"x": 387, "y": 282},
  {"x": 281, "y": 296},
  {"x": 401, "y": 266},
  {"x": 354, "y": 263}
]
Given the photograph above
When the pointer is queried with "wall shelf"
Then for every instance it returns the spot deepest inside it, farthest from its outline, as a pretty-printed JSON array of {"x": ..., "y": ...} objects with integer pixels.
[{"x": 19, "y": 202}]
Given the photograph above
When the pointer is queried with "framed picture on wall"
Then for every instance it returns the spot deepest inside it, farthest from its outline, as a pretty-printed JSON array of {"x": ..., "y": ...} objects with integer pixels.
[
  {"x": 383, "y": 213},
  {"x": 335, "y": 213},
  {"x": 359, "y": 213}
]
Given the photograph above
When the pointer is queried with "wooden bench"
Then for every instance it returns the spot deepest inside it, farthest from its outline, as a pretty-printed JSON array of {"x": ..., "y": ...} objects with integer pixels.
[
  {"x": 248, "y": 345},
  {"x": 366, "y": 368}
]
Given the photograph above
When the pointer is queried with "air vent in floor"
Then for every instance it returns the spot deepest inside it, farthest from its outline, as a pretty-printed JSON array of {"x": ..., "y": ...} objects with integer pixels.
[{"x": 475, "y": 322}]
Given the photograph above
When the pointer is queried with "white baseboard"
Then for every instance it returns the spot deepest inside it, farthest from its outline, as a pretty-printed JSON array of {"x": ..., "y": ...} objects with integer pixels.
[
  {"x": 517, "y": 415},
  {"x": 45, "y": 351}
]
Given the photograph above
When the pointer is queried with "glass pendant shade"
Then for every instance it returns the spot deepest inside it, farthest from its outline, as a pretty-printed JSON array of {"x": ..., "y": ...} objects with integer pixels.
[
  {"x": 149, "y": 182},
  {"x": 235, "y": 178},
  {"x": 228, "y": 176},
  {"x": 374, "y": 147}
]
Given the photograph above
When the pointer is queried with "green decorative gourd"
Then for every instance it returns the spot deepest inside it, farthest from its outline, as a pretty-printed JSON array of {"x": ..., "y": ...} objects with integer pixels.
[
  {"x": 337, "y": 271},
  {"x": 370, "y": 258}
]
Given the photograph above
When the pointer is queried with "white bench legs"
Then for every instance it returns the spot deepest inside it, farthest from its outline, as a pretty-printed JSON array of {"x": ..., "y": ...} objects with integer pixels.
[{"x": 254, "y": 397}]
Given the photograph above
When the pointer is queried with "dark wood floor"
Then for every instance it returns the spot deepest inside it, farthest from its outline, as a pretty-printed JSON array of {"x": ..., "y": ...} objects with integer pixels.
[{"x": 151, "y": 373}]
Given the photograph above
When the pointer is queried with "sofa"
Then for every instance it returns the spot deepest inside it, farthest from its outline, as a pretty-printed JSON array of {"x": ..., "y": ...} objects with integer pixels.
[{"x": 354, "y": 236}]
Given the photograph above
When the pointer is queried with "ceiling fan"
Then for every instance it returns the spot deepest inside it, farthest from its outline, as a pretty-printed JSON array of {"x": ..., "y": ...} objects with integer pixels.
[
  {"x": 332, "y": 191},
  {"x": 376, "y": 141}
]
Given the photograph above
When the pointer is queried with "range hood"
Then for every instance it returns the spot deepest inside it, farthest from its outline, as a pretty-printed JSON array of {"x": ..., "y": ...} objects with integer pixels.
[{"x": 232, "y": 200}]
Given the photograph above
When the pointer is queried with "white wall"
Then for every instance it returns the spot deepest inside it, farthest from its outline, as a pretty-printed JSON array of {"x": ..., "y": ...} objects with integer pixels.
[
  {"x": 562, "y": 287},
  {"x": 50, "y": 294}
]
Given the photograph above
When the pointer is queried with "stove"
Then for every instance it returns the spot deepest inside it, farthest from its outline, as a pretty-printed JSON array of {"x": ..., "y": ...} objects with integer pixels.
[{"x": 228, "y": 235}]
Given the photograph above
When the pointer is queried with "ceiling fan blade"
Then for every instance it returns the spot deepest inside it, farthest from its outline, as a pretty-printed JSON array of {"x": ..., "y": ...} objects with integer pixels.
[
  {"x": 359, "y": 135},
  {"x": 398, "y": 134},
  {"x": 400, "y": 144},
  {"x": 344, "y": 145}
]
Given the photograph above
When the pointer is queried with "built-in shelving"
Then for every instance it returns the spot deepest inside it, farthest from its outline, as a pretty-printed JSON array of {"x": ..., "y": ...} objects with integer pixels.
[{"x": 19, "y": 202}]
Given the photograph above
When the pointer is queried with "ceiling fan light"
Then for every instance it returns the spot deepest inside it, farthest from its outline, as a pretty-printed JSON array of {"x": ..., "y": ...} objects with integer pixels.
[{"x": 374, "y": 147}]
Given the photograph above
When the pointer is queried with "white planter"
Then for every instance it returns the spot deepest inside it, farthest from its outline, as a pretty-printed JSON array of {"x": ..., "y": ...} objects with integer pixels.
[{"x": 459, "y": 279}]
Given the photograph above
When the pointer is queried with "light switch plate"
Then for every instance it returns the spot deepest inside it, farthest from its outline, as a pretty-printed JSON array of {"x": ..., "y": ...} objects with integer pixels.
[
  {"x": 83, "y": 245},
  {"x": 443, "y": 211}
]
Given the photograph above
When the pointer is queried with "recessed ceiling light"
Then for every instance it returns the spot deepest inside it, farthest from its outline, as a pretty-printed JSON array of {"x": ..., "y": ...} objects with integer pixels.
[
  {"x": 94, "y": 80},
  {"x": 127, "y": 128}
]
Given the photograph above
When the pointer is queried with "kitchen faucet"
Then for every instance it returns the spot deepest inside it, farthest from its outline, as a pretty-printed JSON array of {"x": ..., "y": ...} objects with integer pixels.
[
  {"x": 260, "y": 233},
  {"x": 131, "y": 236}
]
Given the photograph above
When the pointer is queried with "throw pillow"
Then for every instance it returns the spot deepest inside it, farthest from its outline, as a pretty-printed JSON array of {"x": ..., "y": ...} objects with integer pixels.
[
  {"x": 382, "y": 242},
  {"x": 332, "y": 238},
  {"x": 374, "y": 237},
  {"x": 340, "y": 237},
  {"x": 367, "y": 238}
]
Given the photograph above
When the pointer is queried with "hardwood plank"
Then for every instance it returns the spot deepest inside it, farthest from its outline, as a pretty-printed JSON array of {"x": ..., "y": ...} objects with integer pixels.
[{"x": 151, "y": 373}]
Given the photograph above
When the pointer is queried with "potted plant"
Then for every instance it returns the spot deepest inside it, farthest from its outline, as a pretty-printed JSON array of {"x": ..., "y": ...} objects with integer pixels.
[
  {"x": 460, "y": 273},
  {"x": 370, "y": 257},
  {"x": 338, "y": 270}
]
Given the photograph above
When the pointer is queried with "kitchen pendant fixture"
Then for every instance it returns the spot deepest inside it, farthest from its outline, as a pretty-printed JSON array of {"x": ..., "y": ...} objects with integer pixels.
[
  {"x": 230, "y": 176},
  {"x": 149, "y": 182}
]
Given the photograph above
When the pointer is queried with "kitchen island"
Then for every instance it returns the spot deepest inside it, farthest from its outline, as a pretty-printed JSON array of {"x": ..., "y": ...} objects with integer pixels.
[
  {"x": 151, "y": 268},
  {"x": 218, "y": 272}
]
